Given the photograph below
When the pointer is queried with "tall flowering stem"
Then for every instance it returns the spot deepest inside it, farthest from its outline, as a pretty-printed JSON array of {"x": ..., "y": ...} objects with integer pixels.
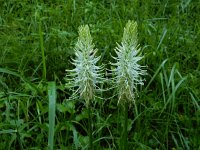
[
  {"x": 86, "y": 75},
  {"x": 128, "y": 72}
]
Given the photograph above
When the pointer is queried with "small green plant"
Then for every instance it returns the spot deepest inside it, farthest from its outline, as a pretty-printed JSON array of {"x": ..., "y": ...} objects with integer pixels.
[
  {"x": 128, "y": 72},
  {"x": 86, "y": 74}
]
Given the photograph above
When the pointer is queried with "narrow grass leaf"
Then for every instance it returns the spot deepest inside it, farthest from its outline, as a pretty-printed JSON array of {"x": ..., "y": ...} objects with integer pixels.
[
  {"x": 52, "y": 104},
  {"x": 8, "y": 131},
  {"x": 42, "y": 49},
  {"x": 156, "y": 73},
  {"x": 161, "y": 40},
  {"x": 195, "y": 101},
  {"x": 163, "y": 89},
  {"x": 171, "y": 75}
]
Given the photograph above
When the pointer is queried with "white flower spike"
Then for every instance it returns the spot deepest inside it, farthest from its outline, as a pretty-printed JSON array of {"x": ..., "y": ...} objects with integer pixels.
[
  {"x": 128, "y": 72},
  {"x": 86, "y": 74}
]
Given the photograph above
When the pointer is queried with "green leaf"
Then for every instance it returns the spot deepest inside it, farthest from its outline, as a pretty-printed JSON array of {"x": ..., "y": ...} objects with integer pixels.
[
  {"x": 52, "y": 104},
  {"x": 67, "y": 106}
]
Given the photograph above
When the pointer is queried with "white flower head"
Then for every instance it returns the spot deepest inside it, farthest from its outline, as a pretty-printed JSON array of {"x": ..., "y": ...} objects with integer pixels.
[
  {"x": 128, "y": 73},
  {"x": 86, "y": 74}
]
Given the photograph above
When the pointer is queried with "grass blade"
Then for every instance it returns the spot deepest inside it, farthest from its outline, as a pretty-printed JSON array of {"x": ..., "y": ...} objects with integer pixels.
[
  {"x": 155, "y": 74},
  {"x": 52, "y": 104},
  {"x": 42, "y": 49}
]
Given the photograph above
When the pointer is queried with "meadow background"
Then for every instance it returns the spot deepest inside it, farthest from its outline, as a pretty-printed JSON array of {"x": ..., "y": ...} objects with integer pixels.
[{"x": 168, "y": 104}]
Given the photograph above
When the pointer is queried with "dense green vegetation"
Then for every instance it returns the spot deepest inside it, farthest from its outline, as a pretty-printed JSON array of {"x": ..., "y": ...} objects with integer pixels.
[{"x": 37, "y": 40}]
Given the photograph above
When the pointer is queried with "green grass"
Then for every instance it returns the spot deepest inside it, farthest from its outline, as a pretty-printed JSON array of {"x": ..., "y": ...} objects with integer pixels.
[{"x": 37, "y": 50}]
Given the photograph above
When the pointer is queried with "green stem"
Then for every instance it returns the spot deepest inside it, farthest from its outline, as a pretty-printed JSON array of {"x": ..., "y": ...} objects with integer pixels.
[
  {"x": 136, "y": 110},
  {"x": 90, "y": 128},
  {"x": 125, "y": 132},
  {"x": 42, "y": 49}
]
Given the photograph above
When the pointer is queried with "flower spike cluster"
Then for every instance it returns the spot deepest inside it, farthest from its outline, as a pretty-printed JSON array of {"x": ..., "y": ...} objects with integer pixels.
[
  {"x": 86, "y": 74},
  {"x": 127, "y": 70}
]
